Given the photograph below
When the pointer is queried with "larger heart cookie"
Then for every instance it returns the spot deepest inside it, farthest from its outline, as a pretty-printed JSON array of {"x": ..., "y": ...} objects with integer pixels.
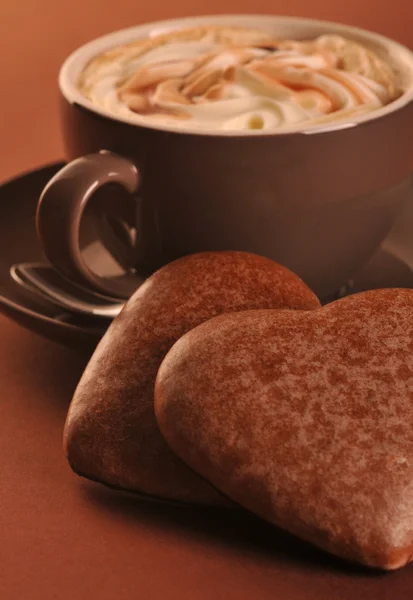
[
  {"x": 111, "y": 433},
  {"x": 305, "y": 419}
]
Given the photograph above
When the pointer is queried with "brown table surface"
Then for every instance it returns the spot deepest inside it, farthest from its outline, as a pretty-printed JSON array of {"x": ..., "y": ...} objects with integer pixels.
[{"x": 63, "y": 538}]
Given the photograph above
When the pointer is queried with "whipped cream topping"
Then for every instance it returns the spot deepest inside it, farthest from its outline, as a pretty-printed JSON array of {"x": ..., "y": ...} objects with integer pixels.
[{"x": 259, "y": 84}]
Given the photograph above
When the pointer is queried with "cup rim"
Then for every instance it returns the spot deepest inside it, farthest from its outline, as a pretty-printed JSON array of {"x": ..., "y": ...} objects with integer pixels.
[{"x": 77, "y": 60}]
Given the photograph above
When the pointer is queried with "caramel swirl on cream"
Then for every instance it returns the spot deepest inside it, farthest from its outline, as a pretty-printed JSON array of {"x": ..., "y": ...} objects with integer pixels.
[{"x": 229, "y": 79}]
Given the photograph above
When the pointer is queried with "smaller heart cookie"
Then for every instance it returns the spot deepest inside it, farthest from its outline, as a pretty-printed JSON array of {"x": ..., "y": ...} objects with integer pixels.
[
  {"x": 305, "y": 418},
  {"x": 111, "y": 434}
]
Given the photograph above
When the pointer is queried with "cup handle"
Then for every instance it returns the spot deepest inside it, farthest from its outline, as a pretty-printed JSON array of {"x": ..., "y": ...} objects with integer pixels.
[{"x": 60, "y": 209}]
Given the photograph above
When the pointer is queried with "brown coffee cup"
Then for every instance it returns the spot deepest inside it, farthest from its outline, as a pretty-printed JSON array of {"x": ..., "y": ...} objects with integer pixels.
[{"x": 318, "y": 200}]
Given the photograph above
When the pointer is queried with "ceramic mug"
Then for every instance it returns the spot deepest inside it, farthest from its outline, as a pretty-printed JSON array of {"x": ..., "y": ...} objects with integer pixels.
[{"x": 318, "y": 200}]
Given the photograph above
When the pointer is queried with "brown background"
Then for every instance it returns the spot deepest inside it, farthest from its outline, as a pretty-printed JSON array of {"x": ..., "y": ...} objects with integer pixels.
[{"x": 61, "y": 538}]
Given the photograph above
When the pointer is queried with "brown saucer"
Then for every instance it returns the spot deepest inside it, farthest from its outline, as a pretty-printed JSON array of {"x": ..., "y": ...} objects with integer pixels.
[{"x": 391, "y": 266}]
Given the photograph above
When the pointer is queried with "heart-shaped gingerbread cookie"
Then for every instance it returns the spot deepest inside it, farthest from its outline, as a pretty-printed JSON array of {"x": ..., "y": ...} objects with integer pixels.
[
  {"x": 305, "y": 418},
  {"x": 111, "y": 434}
]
